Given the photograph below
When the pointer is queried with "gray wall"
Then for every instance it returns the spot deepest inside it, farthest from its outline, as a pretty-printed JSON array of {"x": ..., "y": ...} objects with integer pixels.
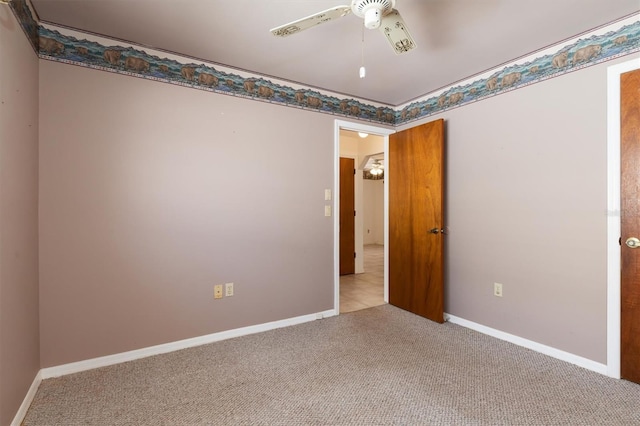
[
  {"x": 526, "y": 206},
  {"x": 151, "y": 193},
  {"x": 19, "y": 338}
]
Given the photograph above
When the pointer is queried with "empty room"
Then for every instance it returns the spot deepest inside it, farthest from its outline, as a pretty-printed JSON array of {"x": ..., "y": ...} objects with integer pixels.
[{"x": 176, "y": 212}]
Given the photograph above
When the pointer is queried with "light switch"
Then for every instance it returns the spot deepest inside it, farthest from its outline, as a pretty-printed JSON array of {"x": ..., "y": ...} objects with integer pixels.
[
  {"x": 327, "y": 210},
  {"x": 327, "y": 195}
]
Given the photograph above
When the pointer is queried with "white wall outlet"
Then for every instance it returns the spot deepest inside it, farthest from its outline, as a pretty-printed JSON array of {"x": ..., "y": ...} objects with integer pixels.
[
  {"x": 327, "y": 195},
  {"x": 228, "y": 289},
  {"x": 327, "y": 211},
  {"x": 497, "y": 289},
  {"x": 217, "y": 291}
]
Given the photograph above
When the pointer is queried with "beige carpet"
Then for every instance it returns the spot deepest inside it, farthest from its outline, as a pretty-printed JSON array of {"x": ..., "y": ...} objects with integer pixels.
[{"x": 379, "y": 366}]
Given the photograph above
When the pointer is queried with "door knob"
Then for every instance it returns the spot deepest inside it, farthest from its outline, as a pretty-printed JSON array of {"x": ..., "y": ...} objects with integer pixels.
[{"x": 632, "y": 242}]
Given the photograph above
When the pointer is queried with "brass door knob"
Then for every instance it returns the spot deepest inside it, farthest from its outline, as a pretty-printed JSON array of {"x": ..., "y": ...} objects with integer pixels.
[{"x": 632, "y": 242}]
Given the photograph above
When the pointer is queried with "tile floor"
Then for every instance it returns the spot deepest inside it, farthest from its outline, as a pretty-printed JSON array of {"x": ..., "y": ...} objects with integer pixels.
[{"x": 360, "y": 291}]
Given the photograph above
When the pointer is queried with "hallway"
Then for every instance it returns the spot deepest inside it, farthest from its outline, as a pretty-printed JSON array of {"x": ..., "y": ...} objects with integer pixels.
[{"x": 361, "y": 291}]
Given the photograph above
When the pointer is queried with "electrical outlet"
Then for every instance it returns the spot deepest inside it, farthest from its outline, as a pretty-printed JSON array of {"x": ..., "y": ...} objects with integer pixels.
[
  {"x": 228, "y": 289},
  {"x": 217, "y": 291},
  {"x": 497, "y": 289}
]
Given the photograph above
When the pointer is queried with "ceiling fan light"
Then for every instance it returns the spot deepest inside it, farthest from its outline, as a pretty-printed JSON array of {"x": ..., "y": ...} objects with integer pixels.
[{"x": 372, "y": 18}]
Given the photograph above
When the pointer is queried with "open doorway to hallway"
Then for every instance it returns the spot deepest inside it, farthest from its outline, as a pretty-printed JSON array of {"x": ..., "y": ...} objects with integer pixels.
[{"x": 365, "y": 287}]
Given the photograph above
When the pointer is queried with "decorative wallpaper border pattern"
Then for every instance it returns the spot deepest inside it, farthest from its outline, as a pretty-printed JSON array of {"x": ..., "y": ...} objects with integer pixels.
[
  {"x": 56, "y": 46},
  {"x": 136, "y": 62},
  {"x": 24, "y": 16},
  {"x": 577, "y": 55}
]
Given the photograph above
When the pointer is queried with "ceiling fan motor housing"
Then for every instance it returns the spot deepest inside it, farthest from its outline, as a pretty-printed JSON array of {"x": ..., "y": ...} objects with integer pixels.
[{"x": 372, "y": 11}]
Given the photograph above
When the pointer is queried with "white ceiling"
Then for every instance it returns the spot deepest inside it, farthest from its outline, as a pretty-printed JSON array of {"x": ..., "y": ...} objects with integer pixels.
[{"x": 456, "y": 38}]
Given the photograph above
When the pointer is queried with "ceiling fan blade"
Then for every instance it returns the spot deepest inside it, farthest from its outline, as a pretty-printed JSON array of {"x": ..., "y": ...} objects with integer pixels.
[
  {"x": 395, "y": 30},
  {"x": 311, "y": 21}
]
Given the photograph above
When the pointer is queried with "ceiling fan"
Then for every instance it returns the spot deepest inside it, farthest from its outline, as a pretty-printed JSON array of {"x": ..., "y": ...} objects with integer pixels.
[
  {"x": 377, "y": 168},
  {"x": 376, "y": 14}
]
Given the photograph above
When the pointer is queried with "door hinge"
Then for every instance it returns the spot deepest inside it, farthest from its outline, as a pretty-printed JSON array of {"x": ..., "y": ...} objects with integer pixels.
[
  {"x": 354, "y": 171},
  {"x": 354, "y": 254},
  {"x": 620, "y": 241},
  {"x": 354, "y": 212}
]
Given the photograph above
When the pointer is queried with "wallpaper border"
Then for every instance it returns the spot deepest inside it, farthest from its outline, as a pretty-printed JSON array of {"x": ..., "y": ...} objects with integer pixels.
[
  {"x": 614, "y": 40},
  {"x": 29, "y": 24}
]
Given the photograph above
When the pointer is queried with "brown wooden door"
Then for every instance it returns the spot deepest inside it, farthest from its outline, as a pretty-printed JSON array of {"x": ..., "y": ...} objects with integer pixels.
[
  {"x": 415, "y": 172},
  {"x": 630, "y": 225},
  {"x": 347, "y": 217}
]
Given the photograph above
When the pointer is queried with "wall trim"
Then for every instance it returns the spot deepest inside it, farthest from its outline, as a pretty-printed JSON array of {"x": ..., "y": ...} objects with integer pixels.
[
  {"x": 104, "y": 361},
  {"x": 608, "y": 42},
  {"x": 28, "y": 399},
  {"x": 90, "y": 364},
  {"x": 530, "y": 344},
  {"x": 75, "y": 47},
  {"x": 70, "y": 46},
  {"x": 28, "y": 20}
]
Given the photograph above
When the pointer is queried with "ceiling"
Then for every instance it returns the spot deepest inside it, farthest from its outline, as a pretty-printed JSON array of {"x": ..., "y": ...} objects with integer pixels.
[{"x": 456, "y": 39}]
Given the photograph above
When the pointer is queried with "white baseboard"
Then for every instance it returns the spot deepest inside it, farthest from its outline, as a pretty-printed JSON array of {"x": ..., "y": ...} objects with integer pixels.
[
  {"x": 104, "y": 361},
  {"x": 529, "y": 344},
  {"x": 76, "y": 367},
  {"x": 26, "y": 403}
]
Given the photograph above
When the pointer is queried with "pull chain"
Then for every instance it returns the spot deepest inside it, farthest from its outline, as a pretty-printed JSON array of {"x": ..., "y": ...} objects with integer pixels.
[{"x": 363, "y": 72}]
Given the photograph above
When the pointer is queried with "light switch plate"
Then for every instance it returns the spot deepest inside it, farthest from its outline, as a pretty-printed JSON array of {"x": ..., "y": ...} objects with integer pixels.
[
  {"x": 327, "y": 211},
  {"x": 327, "y": 195}
]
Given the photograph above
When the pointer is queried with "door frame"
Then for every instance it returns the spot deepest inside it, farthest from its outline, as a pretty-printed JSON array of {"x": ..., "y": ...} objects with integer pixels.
[
  {"x": 613, "y": 214},
  {"x": 374, "y": 130}
]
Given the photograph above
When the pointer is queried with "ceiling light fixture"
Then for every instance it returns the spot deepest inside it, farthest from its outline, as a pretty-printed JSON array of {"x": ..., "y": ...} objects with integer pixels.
[
  {"x": 372, "y": 11},
  {"x": 376, "y": 168},
  {"x": 363, "y": 134}
]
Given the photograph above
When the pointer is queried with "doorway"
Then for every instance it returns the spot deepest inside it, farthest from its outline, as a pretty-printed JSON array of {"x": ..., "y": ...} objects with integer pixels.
[
  {"x": 373, "y": 256},
  {"x": 364, "y": 289},
  {"x": 417, "y": 222}
]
